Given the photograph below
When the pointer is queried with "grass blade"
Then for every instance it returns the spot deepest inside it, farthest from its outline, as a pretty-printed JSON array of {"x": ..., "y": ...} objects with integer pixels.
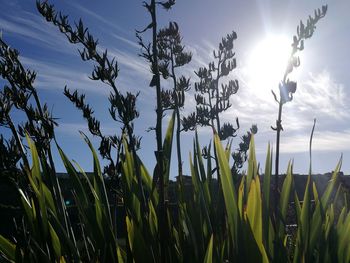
[
  {"x": 7, "y": 248},
  {"x": 167, "y": 146},
  {"x": 266, "y": 193},
  {"x": 209, "y": 254},
  {"x": 228, "y": 190}
]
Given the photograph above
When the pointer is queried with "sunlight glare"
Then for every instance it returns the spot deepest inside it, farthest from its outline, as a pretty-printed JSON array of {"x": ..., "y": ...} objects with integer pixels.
[{"x": 267, "y": 63}]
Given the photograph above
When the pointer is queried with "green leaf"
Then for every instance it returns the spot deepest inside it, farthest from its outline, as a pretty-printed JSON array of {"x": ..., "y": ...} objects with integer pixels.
[
  {"x": 252, "y": 163},
  {"x": 152, "y": 219},
  {"x": 65, "y": 240},
  {"x": 344, "y": 240},
  {"x": 228, "y": 190},
  {"x": 330, "y": 186},
  {"x": 321, "y": 206},
  {"x": 7, "y": 248},
  {"x": 27, "y": 208},
  {"x": 198, "y": 189},
  {"x": 240, "y": 196},
  {"x": 167, "y": 146},
  {"x": 87, "y": 212},
  {"x": 302, "y": 241},
  {"x": 266, "y": 194},
  {"x": 128, "y": 166},
  {"x": 35, "y": 159},
  {"x": 228, "y": 149},
  {"x": 329, "y": 221},
  {"x": 35, "y": 179},
  {"x": 285, "y": 197},
  {"x": 56, "y": 244},
  {"x": 120, "y": 255},
  {"x": 209, "y": 254},
  {"x": 139, "y": 249},
  {"x": 315, "y": 192},
  {"x": 147, "y": 182},
  {"x": 86, "y": 178},
  {"x": 77, "y": 184},
  {"x": 254, "y": 215},
  {"x": 297, "y": 206},
  {"x": 100, "y": 188},
  {"x": 98, "y": 215},
  {"x": 254, "y": 211},
  {"x": 49, "y": 199}
]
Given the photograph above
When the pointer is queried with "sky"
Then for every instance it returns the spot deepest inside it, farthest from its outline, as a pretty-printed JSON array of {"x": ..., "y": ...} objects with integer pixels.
[{"x": 264, "y": 29}]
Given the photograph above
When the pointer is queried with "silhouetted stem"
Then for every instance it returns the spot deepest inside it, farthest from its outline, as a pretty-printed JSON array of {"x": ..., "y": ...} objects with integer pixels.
[
  {"x": 159, "y": 153},
  {"x": 217, "y": 94},
  {"x": 178, "y": 144},
  {"x": 278, "y": 135},
  {"x": 178, "y": 120}
]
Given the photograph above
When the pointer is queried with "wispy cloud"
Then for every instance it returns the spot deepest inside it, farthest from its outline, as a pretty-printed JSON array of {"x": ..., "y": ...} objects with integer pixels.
[
  {"x": 317, "y": 96},
  {"x": 96, "y": 16},
  {"x": 127, "y": 41},
  {"x": 35, "y": 30},
  {"x": 131, "y": 61},
  {"x": 322, "y": 94},
  {"x": 326, "y": 141},
  {"x": 55, "y": 76}
]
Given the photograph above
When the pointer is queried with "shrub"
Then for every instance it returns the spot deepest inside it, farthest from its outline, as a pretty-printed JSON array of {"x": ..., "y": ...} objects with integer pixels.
[{"x": 195, "y": 233}]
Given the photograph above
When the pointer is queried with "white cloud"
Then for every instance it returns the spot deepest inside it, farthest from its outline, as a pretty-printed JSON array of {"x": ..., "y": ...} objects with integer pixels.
[
  {"x": 138, "y": 66},
  {"x": 317, "y": 96},
  {"x": 56, "y": 76},
  {"x": 325, "y": 141},
  {"x": 322, "y": 94},
  {"x": 96, "y": 16},
  {"x": 127, "y": 41},
  {"x": 35, "y": 29}
]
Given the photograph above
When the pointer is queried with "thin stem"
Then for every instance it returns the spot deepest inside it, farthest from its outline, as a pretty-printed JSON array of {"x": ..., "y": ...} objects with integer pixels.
[
  {"x": 278, "y": 135},
  {"x": 178, "y": 143},
  {"x": 217, "y": 93},
  {"x": 159, "y": 153},
  {"x": 178, "y": 120}
]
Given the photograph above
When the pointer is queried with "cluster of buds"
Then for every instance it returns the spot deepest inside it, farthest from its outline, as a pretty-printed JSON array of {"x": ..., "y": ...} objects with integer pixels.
[
  {"x": 122, "y": 107},
  {"x": 171, "y": 55},
  {"x": 288, "y": 88},
  {"x": 19, "y": 92},
  {"x": 212, "y": 99},
  {"x": 125, "y": 106},
  {"x": 240, "y": 156}
]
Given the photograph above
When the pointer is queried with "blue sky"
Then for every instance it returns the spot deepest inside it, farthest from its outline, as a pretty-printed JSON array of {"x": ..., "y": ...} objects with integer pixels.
[{"x": 323, "y": 77}]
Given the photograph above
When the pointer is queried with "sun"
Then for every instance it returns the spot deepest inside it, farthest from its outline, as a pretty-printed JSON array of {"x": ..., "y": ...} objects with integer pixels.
[{"x": 267, "y": 63}]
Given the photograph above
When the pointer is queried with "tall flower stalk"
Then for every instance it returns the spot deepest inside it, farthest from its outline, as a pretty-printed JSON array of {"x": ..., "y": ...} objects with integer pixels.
[
  {"x": 122, "y": 107},
  {"x": 213, "y": 96},
  {"x": 151, "y": 53},
  {"x": 287, "y": 88},
  {"x": 172, "y": 55}
]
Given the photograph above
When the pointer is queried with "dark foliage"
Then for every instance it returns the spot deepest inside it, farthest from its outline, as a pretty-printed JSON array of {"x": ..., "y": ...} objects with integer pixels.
[
  {"x": 211, "y": 99},
  {"x": 172, "y": 55},
  {"x": 122, "y": 107}
]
